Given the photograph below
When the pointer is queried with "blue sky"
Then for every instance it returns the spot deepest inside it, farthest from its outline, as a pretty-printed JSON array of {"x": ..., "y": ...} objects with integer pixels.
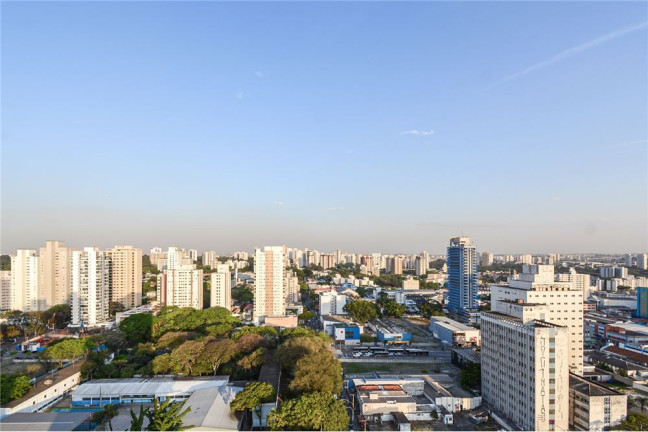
[{"x": 362, "y": 126}]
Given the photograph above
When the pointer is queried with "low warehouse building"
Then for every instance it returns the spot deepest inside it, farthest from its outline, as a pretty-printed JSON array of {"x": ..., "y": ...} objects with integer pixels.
[
  {"x": 454, "y": 333},
  {"x": 389, "y": 333},
  {"x": 141, "y": 390},
  {"x": 376, "y": 400}
]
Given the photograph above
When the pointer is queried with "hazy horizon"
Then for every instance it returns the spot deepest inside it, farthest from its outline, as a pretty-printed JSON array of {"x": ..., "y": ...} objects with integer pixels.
[{"x": 365, "y": 127}]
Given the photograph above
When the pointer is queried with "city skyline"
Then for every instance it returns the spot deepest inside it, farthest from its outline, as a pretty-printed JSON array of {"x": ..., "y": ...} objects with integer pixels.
[{"x": 383, "y": 127}]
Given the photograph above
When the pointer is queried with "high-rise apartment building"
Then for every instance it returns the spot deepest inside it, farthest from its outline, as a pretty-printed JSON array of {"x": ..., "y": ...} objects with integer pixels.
[
  {"x": 536, "y": 285},
  {"x": 486, "y": 259},
  {"x": 642, "y": 261},
  {"x": 181, "y": 286},
  {"x": 580, "y": 282},
  {"x": 419, "y": 266},
  {"x": 126, "y": 276},
  {"x": 613, "y": 272},
  {"x": 642, "y": 302},
  {"x": 177, "y": 257},
  {"x": 55, "y": 283},
  {"x": 24, "y": 281},
  {"x": 463, "y": 283},
  {"x": 396, "y": 265},
  {"x": 269, "y": 272},
  {"x": 525, "y": 259},
  {"x": 193, "y": 254},
  {"x": 209, "y": 258},
  {"x": 91, "y": 269},
  {"x": 5, "y": 290},
  {"x": 291, "y": 288},
  {"x": 221, "y": 287},
  {"x": 525, "y": 373},
  {"x": 327, "y": 261}
]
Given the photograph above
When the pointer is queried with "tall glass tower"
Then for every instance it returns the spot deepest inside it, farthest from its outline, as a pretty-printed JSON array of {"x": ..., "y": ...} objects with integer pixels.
[{"x": 462, "y": 276}]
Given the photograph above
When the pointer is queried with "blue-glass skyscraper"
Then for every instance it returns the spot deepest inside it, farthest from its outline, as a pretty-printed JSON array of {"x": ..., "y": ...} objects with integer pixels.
[
  {"x": 463, "y": 283},
  {"x": 642, "y": 302}
]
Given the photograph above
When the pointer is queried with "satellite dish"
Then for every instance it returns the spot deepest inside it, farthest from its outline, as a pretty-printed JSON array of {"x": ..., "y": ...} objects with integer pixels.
[{"x": 48, "y": 382}]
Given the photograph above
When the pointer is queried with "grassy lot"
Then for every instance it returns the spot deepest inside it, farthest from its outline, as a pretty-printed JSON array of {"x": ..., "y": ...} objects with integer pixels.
[{"x": 406, "y": 368}]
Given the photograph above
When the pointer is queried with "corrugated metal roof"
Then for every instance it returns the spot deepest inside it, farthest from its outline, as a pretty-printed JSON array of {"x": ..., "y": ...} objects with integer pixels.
[{"x": 146, "y": 386}]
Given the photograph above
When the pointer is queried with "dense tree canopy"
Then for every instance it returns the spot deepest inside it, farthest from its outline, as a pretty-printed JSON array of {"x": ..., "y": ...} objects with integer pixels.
[
  {"x": 634, "y": 422},
  {"x": 291, "y": 350},
  {"x": 13, "y": 387},
  {"x": 172, "y": 318},
  {"x": 393, "y": 309},
  {"x": 310, "y": 412},
  {"x": 67, "y": 349},
  {"x": 317, "y": 372},
  {"x": 252, "y": 396},
  {"x": 270, "y": 333},
  {"x": 362, "y": 311},
  {"x": 470, "y": 376},
  {"x": 137, "y": 328}
]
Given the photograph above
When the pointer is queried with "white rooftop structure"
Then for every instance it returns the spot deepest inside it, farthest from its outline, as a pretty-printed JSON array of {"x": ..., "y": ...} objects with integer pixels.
[
  {"x": 210, "y": 409},
  {"x": 133, "y": 390}
]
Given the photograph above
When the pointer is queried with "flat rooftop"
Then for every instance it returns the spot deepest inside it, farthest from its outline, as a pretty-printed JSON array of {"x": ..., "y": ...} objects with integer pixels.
[
  {"x": 589, "y": 388},
  {"x": 450, "y": 324},
  {"x": 55, "y": 421},
  {"x": 386, "y": 327},
  {"x": 146, "y": 386}
]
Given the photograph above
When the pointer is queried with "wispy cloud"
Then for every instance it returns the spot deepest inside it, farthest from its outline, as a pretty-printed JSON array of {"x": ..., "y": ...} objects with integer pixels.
[
  {"x": 574, "y": 51},
  {"x": 335, "y": 208},
  {"x": 240, "y": 95},
  {"x": 277, "y": 203},
  {"x": 259, "y": 74},
  {"x": 418, "y": 132}
]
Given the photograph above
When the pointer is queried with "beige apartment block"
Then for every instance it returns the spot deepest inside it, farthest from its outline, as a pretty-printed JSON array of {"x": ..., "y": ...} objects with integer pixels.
[
  {"x": 126, "y": 275},
  {"x": 55, "y": 283},
  {"x": 24, "y": 281},
  {"x": 269, "y": 272},
  {"x": 181, "y": 286},
  {"x": 565, "y": 304},
  {"x": 221, "y": 287},
  {"x": 5, "y": 290}
]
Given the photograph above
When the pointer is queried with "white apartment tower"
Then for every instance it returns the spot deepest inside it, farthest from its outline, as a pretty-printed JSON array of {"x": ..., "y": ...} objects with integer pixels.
[
  {"x": 24, "y": 281},
  {"x": 269, "y": 275},
  {"x": 90, "y": 286},
  {"x": 536, "y": 285},
  {"x": 209, "y": 258},
  {"x": 221, "y": 287},
  {"x": 525, "y": 372},
  {"x": 332, "y": 303},
  {"x": 126, "y": 276},
  {"x": 181, "y": 286},
  {"x": 55, "y": 283},
  {"x": 177, "y": 257},
  {"x": 5, "y": 290}
]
